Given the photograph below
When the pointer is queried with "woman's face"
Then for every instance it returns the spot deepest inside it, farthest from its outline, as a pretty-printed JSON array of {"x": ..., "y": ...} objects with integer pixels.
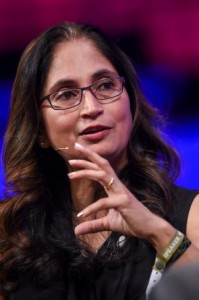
[{"x": 104, "y": 128}]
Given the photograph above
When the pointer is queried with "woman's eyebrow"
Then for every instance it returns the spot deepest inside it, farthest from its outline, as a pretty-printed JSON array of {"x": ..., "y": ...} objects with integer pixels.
[
  {"x": 62, "y": 83},
  {"x": 103, "y": 72},
  {"x": 74, "y": 83}
]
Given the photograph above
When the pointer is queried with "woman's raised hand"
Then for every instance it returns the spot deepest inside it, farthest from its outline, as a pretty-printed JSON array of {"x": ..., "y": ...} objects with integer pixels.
[{"x": 125, "y": 214}]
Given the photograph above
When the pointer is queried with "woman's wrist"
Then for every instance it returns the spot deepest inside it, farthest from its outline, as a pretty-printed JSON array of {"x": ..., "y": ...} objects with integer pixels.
[{"x": 161, "y": 234}]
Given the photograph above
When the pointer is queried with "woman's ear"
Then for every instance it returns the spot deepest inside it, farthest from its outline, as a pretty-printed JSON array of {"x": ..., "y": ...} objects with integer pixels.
[{"x": 43, "y": 141}]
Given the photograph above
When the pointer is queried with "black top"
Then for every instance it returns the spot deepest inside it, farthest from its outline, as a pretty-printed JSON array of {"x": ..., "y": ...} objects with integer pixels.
[{"x": 120, "y": 280}]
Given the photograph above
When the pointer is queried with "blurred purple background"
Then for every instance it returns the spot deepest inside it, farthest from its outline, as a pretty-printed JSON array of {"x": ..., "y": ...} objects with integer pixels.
[{"x": 161, "y": 36}]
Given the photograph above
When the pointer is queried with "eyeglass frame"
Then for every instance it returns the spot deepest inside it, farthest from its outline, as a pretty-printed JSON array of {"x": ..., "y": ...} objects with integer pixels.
[{"x": 86, "y": 88}]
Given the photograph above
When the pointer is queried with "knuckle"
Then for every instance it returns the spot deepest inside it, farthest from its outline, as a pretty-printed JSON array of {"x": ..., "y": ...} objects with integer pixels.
[
  {"x": 104, "y": 163},
  {"x": 125, "y": 199},
  {"x": 102, "y": 203},
  {"x": 92, "y": 227},
  {"x": 103, "y": 174}
]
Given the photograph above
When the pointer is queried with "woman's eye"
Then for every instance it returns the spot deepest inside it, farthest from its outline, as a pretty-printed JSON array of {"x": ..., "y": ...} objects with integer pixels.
[
  {"x": 106, "y": 85},
  {"x": 67, "y": 95}
]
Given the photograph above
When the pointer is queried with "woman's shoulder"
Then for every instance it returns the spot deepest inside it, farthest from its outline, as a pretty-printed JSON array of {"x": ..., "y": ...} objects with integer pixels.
[
  {"x": 184, "y": 194},
  {"x": 182, "y": 200}
]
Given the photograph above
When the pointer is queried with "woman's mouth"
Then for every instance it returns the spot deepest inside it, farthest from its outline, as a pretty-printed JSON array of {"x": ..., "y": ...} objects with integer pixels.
[{"x": 95, "y": 133}]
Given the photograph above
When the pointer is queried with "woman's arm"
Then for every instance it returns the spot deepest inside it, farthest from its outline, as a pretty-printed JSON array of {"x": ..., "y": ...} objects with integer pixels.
[
  {"x": 125, "y": 213},
  {"x": 192, "y": 253}
]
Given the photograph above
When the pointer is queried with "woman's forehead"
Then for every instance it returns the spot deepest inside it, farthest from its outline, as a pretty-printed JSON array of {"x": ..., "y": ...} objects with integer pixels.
[{"x": 78, "y": 60}]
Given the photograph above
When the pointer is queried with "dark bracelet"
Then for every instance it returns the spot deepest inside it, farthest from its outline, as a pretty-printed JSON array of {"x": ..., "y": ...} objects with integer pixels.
[
  {"x": 175, "y": 248},
  {"x": 181, "y": 249}
]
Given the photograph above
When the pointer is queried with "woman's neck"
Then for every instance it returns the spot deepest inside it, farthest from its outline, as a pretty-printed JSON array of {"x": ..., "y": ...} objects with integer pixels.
[{"x": 83, "y": 193}]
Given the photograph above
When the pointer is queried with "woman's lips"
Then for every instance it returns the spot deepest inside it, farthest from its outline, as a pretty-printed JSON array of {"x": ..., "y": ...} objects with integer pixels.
[{"x": 95, "y": 133}]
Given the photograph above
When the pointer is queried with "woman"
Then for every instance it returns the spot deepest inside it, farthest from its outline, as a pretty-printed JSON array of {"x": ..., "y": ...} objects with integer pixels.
[{"x": 91, "y": 199}]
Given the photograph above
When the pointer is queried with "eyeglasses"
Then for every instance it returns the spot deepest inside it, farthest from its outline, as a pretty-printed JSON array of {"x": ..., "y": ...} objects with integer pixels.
[{"x": 103, "y": 90}]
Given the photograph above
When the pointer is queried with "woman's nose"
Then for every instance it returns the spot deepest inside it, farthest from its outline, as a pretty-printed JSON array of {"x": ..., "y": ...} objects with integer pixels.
[{"x": 90, "y": 106}]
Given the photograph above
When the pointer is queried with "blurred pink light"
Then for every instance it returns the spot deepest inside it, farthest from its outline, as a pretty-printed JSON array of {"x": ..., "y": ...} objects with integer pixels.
[{"x": 168, "y": 29}]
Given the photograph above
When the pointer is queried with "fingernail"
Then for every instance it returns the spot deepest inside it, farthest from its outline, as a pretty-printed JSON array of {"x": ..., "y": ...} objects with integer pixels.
[
  {"x": 80, "y": 214},
  {"x": 78, "y": 146},
  {"x": 71, "y": 175},
  {"x": 71, "y": 161}
]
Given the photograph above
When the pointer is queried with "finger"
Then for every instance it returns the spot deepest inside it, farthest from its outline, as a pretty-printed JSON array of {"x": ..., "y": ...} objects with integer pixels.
[
  {"x": 96, "y": 175},
  {"x": 93, "y": 156},
  {"x": 110, "y": 184},
  {"x": 116, "y": 203},
  {"x": 92, "y": 226},
  {"x": 84, "y": 164}
]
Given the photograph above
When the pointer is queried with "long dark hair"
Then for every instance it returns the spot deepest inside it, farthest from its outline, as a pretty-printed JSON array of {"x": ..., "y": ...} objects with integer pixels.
[{"x": 36, "y": 216}]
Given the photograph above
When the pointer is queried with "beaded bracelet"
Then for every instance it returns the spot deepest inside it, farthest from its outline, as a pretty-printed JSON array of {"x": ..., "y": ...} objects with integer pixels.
[{"x": 176, "y": 247}]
